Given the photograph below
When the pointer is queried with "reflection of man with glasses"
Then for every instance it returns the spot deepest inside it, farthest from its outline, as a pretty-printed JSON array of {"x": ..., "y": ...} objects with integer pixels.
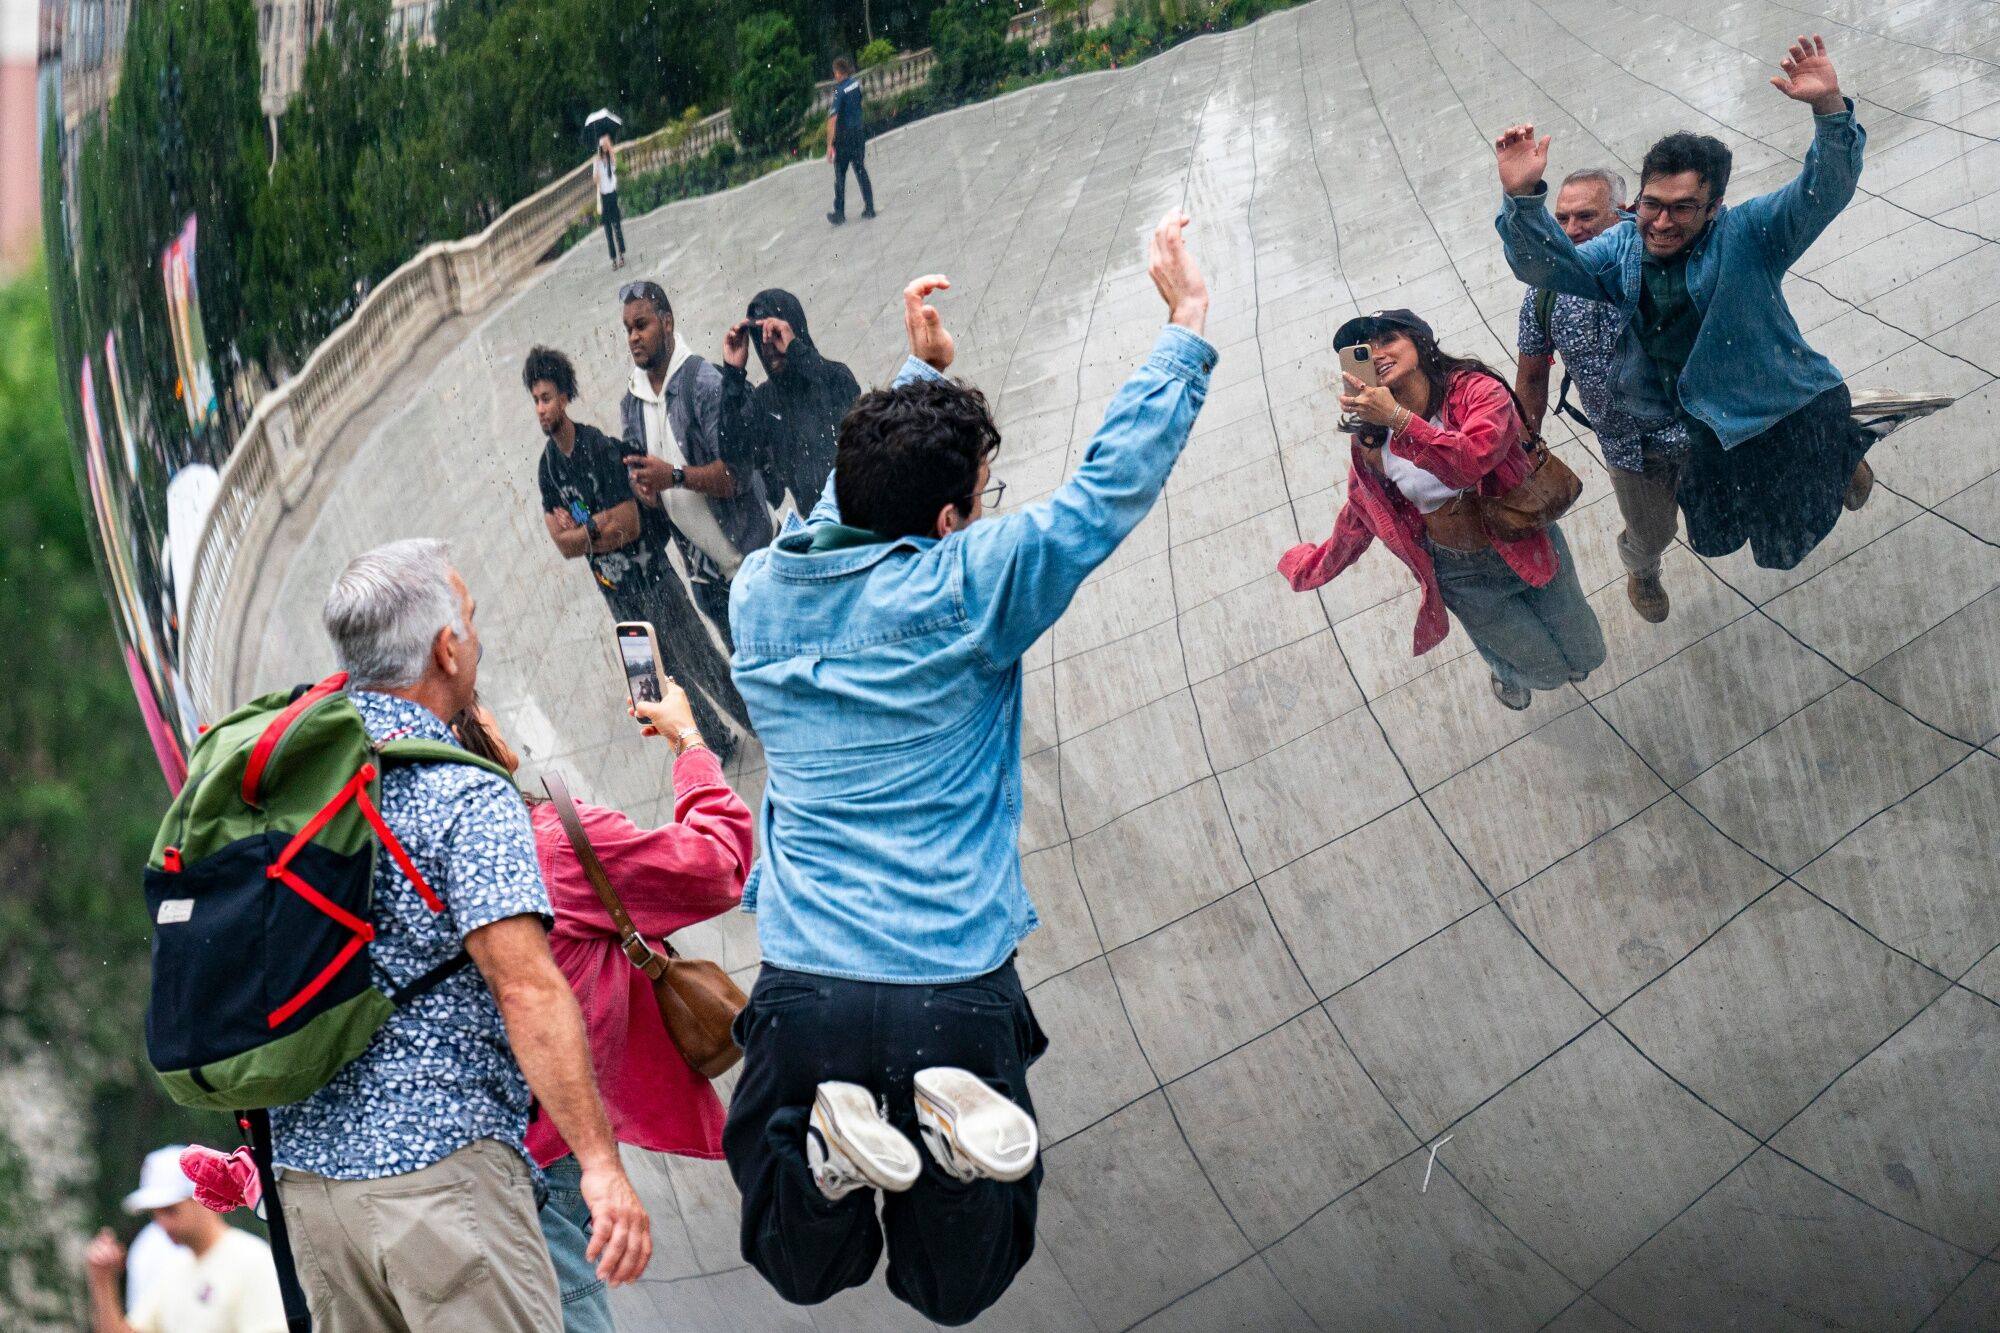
[
  {"x": 1710, "y": 340},
  {"x": 879, "y": 645}
]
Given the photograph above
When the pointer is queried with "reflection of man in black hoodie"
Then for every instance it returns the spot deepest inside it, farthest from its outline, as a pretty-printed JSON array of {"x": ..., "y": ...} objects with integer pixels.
[{"x": 786, "y": 427}]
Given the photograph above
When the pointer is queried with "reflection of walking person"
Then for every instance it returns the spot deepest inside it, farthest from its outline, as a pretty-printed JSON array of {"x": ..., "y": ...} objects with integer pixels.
[
  {"x": 880, "y": 651},
  {"x": 605, "y": 168},
  {"x": 789, "y": 425},
  {"x": 846, "y": 144}
]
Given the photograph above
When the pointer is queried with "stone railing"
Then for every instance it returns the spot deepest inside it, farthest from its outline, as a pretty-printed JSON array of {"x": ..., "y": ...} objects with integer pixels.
[{"x": 274, "y": 463}]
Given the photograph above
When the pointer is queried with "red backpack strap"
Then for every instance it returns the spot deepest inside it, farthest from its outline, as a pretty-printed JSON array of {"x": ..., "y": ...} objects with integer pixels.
[{"x": 267, "y": 744}]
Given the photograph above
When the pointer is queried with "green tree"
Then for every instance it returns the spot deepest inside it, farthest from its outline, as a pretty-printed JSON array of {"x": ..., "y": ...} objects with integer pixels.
[
  {"x": 84, "y": 795},
  {"x": 774, "y": 84},
  {"x": 969, "y": 38}
]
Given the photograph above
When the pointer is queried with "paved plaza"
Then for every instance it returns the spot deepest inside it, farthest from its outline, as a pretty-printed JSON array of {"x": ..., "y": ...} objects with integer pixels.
[{"x": 1693, "y": 966}]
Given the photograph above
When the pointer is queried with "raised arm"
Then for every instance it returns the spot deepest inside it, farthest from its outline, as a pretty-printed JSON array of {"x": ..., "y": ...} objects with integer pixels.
[
  {"x": 1022, "y": 570},
  {"x": 1793, "y": 216},
  {"x": 1536, "y": 248}
]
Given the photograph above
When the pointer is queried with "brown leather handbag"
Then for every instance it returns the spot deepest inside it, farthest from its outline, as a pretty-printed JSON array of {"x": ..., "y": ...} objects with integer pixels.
[
  {"x": 698, "y": 1002},
  {"x": 1539, "y": 499}
]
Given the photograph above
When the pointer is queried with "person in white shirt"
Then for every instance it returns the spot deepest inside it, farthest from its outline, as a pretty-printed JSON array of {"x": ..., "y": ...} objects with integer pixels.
[
  {"x": 147, "y": 1257},
  {"x": 217, "y": 1279},
  {"x": 711, "y": 505},
  {"x": 605, "y": 168}
]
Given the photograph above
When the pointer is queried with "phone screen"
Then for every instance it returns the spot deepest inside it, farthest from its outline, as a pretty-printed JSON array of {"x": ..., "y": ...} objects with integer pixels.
[{"x": 642, "y": 670}]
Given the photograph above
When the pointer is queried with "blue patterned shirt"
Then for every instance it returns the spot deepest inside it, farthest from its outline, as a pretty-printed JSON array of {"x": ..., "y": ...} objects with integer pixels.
[
  {"x": 439, "y": 1075},
  {"x": 1586, "y": 333}
]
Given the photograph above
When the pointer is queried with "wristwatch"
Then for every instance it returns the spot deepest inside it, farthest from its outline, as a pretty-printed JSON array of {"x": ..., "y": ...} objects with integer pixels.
[
  {"x": 680, "y": 477},
  {"x": 686, "y": 739},
  {"x": 590, "y": 527}
]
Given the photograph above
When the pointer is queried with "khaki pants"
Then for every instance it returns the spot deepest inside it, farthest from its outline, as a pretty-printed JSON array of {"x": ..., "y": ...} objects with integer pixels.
[
  {"x": 453, "y": 1248},
  {"x": 1652, "y": 515}
]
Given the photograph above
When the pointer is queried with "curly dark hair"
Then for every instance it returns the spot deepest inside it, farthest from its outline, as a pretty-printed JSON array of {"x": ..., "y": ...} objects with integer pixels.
[
  {"x": 907, "y": 452},
  {"x": 1704, "y": 154},
  {"x": 546, "y": 365}
]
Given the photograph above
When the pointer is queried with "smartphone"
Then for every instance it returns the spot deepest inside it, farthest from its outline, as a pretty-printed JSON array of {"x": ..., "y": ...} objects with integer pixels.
[
  {"x": 639, "y": 653},
  {"x": 1359, "y": 362}
]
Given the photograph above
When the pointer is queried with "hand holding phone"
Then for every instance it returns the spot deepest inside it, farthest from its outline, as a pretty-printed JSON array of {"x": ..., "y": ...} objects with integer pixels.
[
  {"x": 639, "y": 654},
  {"x": 1359, "y": 362},
  {"x": 671, "y": 717}
]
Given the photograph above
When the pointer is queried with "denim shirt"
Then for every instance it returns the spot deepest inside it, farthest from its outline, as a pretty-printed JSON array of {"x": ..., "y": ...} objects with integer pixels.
[
  {"x": 885, "y": 682},
  {"x": 1750, "y": 367}
]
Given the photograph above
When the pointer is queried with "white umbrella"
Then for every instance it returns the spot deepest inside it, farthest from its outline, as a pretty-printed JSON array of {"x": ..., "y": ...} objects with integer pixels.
[{"x": 602, "y": 121}]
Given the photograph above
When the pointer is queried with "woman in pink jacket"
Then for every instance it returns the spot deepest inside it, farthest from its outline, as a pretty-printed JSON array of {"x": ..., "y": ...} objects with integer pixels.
[
  {"x": 668, "y": 878},
  {"x": 1438, "y": 430}
]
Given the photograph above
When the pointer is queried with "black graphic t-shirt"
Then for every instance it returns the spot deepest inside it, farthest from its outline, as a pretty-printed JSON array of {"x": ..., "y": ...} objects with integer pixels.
[{"x": 589, "y": 481}]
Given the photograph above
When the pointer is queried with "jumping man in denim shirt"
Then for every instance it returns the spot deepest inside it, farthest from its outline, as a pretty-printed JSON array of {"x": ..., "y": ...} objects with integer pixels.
[
  {"x": 878, "y": 646},
  {"x": 1709, "y": 340}
]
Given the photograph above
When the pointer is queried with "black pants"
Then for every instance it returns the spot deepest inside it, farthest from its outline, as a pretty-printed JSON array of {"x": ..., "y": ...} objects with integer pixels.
[
  {"x": 954, "y": 1248},
  {"x": 713, "y": 599},
  {"x": 688, "y": 655},
  {"x": 614, "y": 225},
  {"x": 842, "y": 160},
  {"x": 1780, "y": 491}
]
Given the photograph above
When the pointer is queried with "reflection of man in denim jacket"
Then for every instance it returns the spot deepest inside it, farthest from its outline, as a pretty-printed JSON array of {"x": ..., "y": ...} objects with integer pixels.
[
  {"x": 879, "y": 648},
  {"x": 1710, "y": 338}
]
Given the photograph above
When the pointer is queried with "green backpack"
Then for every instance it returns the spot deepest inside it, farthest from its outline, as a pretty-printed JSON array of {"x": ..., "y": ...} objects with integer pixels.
[{"x": 259, "y": 888}]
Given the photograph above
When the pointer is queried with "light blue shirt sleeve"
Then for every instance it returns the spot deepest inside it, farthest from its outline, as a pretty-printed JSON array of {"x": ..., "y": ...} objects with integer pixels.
[
  {"x": 1792, "y": 216},
  {"x": 1020, "y": 571},
  {"x": 1542, "y": 256}
]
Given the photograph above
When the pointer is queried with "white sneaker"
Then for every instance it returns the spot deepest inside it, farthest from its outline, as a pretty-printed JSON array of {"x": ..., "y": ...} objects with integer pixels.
[
  {"x": 973, "y": 1131},
  {"x": 851, "y": 1145}
]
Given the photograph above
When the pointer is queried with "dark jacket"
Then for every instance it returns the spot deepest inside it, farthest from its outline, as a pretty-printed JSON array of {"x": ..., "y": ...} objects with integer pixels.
[{"x": 788, "y": 427}]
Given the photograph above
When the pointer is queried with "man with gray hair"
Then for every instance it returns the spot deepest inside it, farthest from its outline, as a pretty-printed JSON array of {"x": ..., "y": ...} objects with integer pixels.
[
  {"x": 1644, "y": 458},
  {"x": 406, "y": 1180}
]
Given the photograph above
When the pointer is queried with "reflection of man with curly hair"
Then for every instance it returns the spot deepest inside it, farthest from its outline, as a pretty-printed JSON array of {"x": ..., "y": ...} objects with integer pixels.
[{"x": 592, "y": 514}]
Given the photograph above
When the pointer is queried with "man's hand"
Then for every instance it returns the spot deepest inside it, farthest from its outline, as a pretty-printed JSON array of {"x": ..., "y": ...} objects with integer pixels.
[
  {"x": 104, "y": 1257},
  {"x": 929, "y": 342},
  {"x": 778, "y": 334},
  {"x": 621, "y": 1235},
  {"x": 1523, "y": 159},
  {"x": 650, "y": 475},
  {"x": 736, "y": 344},
  {"x": 1809, "y": 77},
  {"x": 1175, "y": 275},
  {"x": 562, "y": 520}
]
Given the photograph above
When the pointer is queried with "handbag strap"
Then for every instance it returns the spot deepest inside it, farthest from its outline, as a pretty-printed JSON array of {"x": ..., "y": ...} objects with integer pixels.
[{"x": 637, "y": 952}]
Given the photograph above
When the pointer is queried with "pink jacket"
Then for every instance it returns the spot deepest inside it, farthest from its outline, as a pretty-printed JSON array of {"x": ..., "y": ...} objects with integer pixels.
[
  {"x": 668, "y": 878},
  {"x": 1479, "y": 445}
]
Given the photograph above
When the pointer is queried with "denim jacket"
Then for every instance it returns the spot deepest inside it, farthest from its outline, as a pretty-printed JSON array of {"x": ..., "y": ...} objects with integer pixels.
[
  {"x": 1751, "y": 367},
  {"x": 885, "y": 683}
]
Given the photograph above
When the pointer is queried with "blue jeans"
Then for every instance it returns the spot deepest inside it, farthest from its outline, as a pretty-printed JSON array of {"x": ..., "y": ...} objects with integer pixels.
[
  {"x": 586, "y": 1308},
  {"x": 1536, "y": 638}
]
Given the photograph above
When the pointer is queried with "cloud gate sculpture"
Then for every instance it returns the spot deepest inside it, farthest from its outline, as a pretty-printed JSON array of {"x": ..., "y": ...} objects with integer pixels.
[{"x": 1668, "y": 1002}]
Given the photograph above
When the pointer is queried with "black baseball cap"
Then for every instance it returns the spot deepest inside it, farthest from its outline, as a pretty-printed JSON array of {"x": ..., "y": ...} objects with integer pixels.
[{"x": 1361, "y": 328}]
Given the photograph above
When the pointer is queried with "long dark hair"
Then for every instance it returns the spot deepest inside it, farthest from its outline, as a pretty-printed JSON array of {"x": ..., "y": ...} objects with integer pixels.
[
  {"x": 477, "y": 738},
  {"x": 1439, "y": 368}
]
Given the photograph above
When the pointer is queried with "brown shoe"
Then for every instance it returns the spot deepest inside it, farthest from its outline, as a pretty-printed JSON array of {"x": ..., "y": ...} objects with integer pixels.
[
  {"x": 1648, "y": 597},
  {"x": 1858, "y": 486}
]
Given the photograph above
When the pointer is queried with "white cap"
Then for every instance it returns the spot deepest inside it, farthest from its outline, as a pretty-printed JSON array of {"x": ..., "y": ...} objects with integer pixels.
[{"x": 162, "y": 1183}]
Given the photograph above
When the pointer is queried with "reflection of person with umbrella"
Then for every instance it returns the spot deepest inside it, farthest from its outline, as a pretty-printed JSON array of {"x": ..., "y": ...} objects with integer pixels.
[{"x": 603, "y": 126}]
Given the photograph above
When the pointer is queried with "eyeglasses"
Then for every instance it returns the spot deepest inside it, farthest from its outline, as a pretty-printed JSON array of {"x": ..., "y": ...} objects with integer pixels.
[
  {"x": 1684, "y": 210},
  {"x": 990, "y": 497},
  {"x": 641, "y": 291}
]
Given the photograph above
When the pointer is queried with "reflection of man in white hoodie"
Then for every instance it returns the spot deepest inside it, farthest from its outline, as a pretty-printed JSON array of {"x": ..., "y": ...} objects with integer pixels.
[{"x": 672, "y": 410}]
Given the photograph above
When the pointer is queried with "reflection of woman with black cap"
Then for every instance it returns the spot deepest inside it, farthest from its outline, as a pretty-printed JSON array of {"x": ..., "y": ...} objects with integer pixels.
[
  {"x": 1439, "y": 431},
  {"x": 787, "y": 427}
]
